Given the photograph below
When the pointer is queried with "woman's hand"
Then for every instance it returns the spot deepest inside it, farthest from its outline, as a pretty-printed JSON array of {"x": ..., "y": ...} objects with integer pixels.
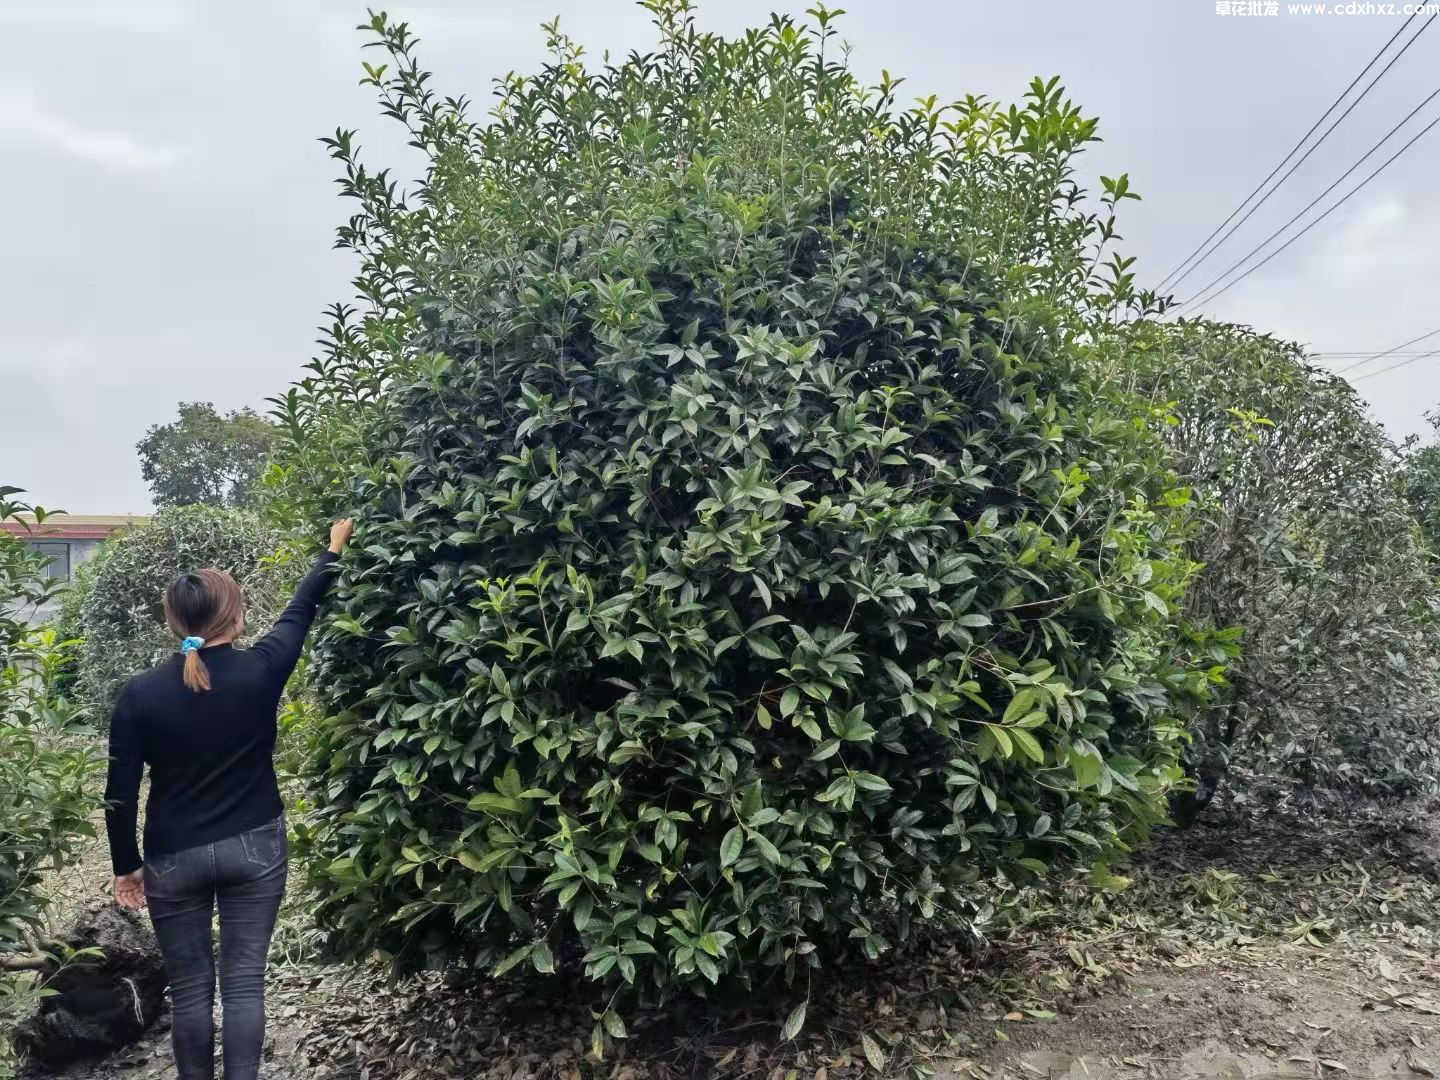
[
  {"x": 340, "y": 534},
  {"x": 130, "y": 890}
]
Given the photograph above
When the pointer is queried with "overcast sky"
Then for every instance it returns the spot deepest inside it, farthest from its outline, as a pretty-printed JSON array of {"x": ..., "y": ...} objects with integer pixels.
[{"x": 168, "y": 213}]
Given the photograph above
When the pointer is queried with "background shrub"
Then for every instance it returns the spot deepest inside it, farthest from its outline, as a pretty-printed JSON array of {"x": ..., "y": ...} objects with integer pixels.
[
  {"x": 1312, "y": 561},
  {"x": 69, "y": 622},
  {"x": 1422, "y": 489},
  {"x": 747, "y": 564},
  {"x": 122, "y": 623}
]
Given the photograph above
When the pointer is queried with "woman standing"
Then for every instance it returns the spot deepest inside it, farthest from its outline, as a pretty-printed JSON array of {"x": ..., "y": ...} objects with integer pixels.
[{"x": 204, "y": 722}]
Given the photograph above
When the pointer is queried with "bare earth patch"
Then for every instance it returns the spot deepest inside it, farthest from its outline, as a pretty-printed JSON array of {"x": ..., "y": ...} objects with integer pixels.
[{"x": 1302, "y": 1013}]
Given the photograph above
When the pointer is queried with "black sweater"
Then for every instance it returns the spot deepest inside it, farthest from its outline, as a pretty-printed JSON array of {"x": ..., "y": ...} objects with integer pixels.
[{"x": 211, "y": 773}]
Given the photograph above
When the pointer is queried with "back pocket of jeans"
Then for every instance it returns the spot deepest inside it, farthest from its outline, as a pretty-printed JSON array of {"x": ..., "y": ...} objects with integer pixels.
[
  {"x": 265, "y": 846},
  {"x": 157, "y": 866}
]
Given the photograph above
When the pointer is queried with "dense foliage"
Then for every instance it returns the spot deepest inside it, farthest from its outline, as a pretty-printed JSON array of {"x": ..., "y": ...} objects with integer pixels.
[
  {"x": 1312, "y": 561},
  {"x": 1422, "y": 489},
  {"x": 121, "y": 620},
  {"x": 45, "y": 765},
  {"x": 747, "y": 563},
  {"x": 204, "y": 457}
]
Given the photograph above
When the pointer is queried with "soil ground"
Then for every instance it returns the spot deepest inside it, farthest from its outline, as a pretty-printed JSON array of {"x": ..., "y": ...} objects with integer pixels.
[
  {"x": 1300, "y": 1015},
  {"x": 1271, "y": 940}
]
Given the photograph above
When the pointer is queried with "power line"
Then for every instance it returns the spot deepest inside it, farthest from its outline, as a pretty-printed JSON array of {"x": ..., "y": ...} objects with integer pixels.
[
  {"x": 1289, "y": 172},
  {"x": 1311, "y": 204},
  {"x": 1335, "y": 206},
  {"x": 1293, "y": 151},
  {"x": 1394, "y": 367},
  {"x": 1388, "y": 352}
]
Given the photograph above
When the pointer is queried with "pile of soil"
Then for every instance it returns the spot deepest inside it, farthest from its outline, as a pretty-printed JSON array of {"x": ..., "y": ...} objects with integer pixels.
[{"x": 104, "y": 999}]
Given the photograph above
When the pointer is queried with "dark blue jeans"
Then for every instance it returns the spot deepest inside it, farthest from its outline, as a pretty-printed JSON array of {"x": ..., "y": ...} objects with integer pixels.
[{"x": 244, "y": 876}]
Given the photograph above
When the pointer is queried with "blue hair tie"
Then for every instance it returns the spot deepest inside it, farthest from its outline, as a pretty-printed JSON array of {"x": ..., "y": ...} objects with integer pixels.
[{"x": 190, "y": 644}]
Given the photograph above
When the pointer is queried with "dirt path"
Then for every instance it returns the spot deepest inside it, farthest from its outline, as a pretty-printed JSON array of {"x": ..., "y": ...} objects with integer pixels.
[
  {"x": 1305, "y": 1013},
  {"x": 1301, "y": 1013}
]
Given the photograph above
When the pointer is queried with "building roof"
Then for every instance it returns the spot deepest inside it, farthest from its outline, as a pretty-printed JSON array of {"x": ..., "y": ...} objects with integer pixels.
[{"x": 70, "y": 526}]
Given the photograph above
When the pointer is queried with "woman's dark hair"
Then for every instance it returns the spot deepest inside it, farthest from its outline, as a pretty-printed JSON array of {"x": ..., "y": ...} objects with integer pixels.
[{"x": 204, "y": 604}]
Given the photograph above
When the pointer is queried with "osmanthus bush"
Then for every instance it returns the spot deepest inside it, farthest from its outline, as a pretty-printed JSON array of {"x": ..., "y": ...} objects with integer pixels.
[
  {"x": 746, "y": 565},
  {"x": 1312, "y": 560}
]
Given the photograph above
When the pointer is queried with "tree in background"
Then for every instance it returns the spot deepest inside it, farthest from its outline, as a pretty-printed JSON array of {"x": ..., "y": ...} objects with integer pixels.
[
  {"x": 206, "y": 458},
  {"x": 1312, "y": 560},
  {"x": 120, "y": 617},
  {"x": 46, "y": 793},
  {"x": 749, "y": 565}
]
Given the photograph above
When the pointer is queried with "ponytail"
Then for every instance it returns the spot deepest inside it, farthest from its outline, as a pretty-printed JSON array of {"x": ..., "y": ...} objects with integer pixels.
[
  {"x": 197, "y": 675},
  {"x": 205, "y": 604}
]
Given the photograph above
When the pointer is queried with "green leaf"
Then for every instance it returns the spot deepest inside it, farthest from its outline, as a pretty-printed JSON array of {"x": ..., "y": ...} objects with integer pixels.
[
  {"x": 762, "y": 591},
  {"x": 768, "y": 851},
  {"x": 763, "y": 645},
  {"x": 494, "y": 804},
  {"x": 732, "y": 845},
  {"x": 1085, "y": 763},
  {"x": 541, "y": 959},
  {"x": 1028, "y": 745},
  {"x": 839, "y": 788},
  {"x": 1020, "y": 704},
  {"x": 794, "y": 1022},
  {"x": 511, "y": 960},
  {"x": 752, "y": 798},
  {"x": 871, "y": 782},
  {"x": 583, "y": 909}
]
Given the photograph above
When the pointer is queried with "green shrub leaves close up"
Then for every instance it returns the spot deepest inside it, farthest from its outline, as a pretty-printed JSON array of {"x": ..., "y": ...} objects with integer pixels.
[{"x": 748, "y": 568}]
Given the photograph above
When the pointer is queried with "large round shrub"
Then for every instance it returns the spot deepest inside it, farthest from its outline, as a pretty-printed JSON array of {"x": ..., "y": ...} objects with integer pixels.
[
  {"x": 745, "y": 563},
  {"x": 121, "y": 620}
]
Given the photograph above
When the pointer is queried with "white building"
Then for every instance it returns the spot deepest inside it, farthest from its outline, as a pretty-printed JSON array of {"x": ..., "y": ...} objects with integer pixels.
[{"x": 68, "y": 540}]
